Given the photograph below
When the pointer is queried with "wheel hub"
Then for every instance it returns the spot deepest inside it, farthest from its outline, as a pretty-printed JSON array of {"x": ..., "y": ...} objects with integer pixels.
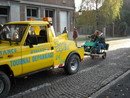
[{"x": 74, "y": 64}]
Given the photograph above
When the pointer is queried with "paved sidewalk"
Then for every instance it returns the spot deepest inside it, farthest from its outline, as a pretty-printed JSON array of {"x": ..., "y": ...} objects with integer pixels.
[{"x": 120, "y": 90}]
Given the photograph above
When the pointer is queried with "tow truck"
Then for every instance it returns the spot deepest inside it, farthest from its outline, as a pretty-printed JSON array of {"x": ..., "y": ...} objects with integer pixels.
[{"x": 30, "y": 46}]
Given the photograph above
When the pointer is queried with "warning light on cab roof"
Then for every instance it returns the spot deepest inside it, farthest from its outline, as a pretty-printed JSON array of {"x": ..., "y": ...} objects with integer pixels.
[
  {"x": 49, "y": 19},
  {"x": 30, "y": 19}
]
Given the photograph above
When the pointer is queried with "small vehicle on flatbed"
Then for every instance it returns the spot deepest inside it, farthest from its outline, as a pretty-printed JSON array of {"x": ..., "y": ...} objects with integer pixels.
[
  {"x": 30, "y": 46},
  {"x": 93, "y": 49}
]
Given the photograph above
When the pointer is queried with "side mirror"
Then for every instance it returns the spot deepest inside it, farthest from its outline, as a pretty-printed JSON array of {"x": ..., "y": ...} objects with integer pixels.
[{"x": 32, "y": 41}]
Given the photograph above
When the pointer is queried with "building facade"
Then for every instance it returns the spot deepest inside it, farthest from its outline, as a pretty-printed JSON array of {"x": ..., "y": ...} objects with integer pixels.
[{"x": 61, "y": 11}]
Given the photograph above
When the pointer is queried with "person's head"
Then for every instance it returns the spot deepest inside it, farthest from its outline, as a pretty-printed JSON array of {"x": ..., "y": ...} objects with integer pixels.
[
  {"x": 75, "y": 29},
  {"x": 64, "y": 28},
  {"x": 97, "y": 33}
]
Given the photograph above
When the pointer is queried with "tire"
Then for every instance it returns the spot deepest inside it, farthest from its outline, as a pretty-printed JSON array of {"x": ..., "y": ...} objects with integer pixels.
[
  {"x": 93, "y": 50},
  {"x": 72, "y": 64},
  {"x": 92, "y": 56},
  {"x": 4, "y": 85},
  {"x": 104, "y": 55}
]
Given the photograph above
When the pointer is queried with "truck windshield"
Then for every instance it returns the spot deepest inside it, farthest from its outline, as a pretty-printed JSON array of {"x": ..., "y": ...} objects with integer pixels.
[{"x": 12, "y": 32}]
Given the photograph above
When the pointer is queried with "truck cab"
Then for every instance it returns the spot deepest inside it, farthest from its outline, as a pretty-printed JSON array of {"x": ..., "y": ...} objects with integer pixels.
[{"x": 30, "y": 46}]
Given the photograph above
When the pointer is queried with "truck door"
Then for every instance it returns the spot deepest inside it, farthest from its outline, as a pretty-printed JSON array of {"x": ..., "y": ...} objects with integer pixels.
[{"x": 37, "y": 50}]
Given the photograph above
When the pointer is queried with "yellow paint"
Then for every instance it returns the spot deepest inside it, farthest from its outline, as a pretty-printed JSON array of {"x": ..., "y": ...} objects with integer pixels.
[{"x": 23, "y": 59}]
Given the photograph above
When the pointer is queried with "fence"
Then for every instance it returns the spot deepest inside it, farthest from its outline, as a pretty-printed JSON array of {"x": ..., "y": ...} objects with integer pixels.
[{"x": 109, "y": 30}]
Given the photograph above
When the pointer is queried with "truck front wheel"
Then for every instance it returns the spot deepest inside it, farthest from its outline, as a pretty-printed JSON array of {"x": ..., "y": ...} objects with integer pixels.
[
  {"x": 4, "y": 85},
  {"x": 72, "y": 64}
]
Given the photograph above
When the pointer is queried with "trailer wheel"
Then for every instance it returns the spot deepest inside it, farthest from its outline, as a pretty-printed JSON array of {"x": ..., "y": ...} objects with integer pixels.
[
  {"x": 72, "y": 64},
  {"x": 104, "y": 55},
  {"x": 92, "y": 56},
  {"x": 4, "y": 85}
]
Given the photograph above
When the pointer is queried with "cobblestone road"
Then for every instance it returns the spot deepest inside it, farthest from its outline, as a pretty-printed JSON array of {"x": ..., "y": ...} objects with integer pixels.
[
  {"x": 93, "y": 75},
  {"x": 120, "y": 90}
]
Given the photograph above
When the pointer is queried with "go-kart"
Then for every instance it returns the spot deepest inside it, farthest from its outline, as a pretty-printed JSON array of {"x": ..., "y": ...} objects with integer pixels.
[{"x": 92, "y": 48}]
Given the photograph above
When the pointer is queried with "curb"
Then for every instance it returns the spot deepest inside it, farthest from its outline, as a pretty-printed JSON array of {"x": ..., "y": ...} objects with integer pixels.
[
  {"x": 108, "y": 39},
  {"x": 96, "y": 94}
]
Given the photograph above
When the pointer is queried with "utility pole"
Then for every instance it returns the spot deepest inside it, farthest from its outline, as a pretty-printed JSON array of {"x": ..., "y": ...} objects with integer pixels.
[
  {"x": 97, "y": 17},
  {"x": 113, "y": 29}
]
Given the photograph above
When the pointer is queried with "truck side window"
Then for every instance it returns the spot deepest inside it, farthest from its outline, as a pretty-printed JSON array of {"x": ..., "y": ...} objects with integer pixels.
[
  {"x": 42, "y": 38},
  {"x": 36, "y": 35},
  {"x": 31, "y": 37}
]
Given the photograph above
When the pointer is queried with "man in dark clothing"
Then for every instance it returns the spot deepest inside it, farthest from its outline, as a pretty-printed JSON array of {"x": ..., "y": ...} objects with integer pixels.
[
  {"x": 75, "y": 35},
  {"x": 65, "y": 30}
]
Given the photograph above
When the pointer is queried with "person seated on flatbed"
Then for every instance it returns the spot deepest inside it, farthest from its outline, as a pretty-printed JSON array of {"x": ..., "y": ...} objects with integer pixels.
[
  {"x": 95, "y": 37},
  {"x": 102, "y": 40},
  {"x": 99, "y": 39}
]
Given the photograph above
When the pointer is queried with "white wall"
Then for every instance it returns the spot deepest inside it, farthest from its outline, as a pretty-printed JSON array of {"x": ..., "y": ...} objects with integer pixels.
[
  {"x": 63, "y": 20},
  {"x": 14, "y": 12}
]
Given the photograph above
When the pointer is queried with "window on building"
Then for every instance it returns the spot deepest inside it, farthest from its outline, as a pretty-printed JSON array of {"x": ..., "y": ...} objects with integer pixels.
[
  {"x": 4, "y": 14},
  {"x": 49, "y": 13},
  {"x": 3, "y": 11},
  {"x": 32, "y": 12}
]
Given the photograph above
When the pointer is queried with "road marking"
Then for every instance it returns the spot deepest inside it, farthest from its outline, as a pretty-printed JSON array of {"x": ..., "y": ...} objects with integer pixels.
[
  {"x": 30, "y": 90},
  {"x": 96, "y": 94}
]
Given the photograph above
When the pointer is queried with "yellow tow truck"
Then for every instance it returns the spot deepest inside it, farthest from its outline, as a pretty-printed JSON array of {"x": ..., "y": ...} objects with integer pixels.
[{"x": 30, "y": 46}]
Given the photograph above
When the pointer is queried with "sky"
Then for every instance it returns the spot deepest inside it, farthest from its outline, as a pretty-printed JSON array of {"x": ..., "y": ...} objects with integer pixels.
[
  {"x": 90, "y": 6},
  {"x": 77, "y": 4}
]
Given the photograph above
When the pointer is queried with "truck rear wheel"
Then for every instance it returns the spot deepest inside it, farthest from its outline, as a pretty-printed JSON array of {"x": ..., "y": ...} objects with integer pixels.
[
  {"x": 4, "y": 85},
  {"x": 72, "y": 64}
]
